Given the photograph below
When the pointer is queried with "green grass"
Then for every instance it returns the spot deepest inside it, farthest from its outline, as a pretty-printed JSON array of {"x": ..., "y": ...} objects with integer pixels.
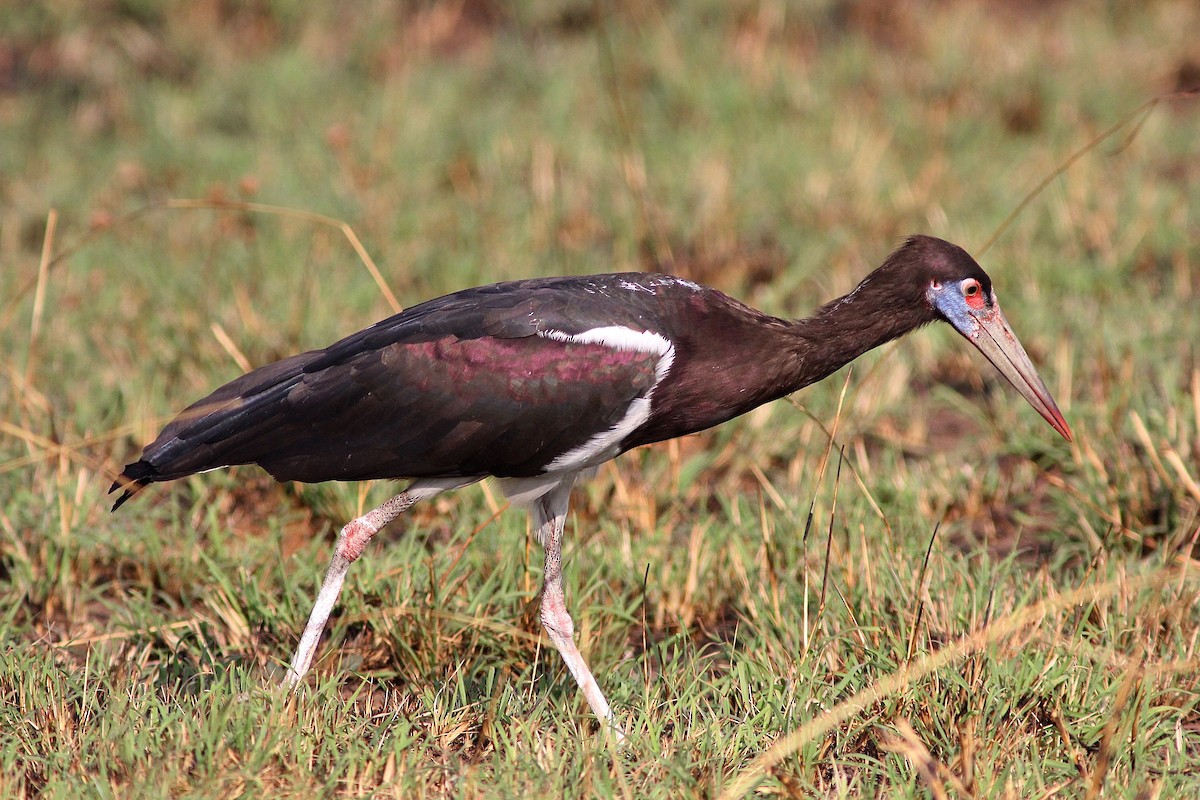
[{"x": 1046, "y": 646}]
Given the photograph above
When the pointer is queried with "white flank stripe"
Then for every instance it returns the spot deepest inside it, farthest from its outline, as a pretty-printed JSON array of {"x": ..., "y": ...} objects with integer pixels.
[{"x": 603, "y": 445}]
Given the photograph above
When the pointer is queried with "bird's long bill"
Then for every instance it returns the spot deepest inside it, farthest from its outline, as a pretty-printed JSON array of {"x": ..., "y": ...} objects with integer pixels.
[{"x": 996, "y": 340}]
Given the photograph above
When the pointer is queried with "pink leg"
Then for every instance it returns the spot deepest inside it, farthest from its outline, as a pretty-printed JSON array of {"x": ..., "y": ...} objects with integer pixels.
[
  {"x": 550, "y": 513},
  {"x": 351, "y": 543}
]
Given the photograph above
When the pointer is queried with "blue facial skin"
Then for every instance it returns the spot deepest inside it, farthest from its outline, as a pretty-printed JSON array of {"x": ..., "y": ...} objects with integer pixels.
[{"x": 951, "y": 302}]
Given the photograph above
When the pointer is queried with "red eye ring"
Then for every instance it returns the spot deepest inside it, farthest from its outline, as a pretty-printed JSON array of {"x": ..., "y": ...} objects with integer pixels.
[{"x": 973, "y": 293}]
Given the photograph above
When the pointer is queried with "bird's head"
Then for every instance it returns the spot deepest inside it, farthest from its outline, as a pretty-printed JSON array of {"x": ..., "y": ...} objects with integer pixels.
[{"x": 957, "y": 290}]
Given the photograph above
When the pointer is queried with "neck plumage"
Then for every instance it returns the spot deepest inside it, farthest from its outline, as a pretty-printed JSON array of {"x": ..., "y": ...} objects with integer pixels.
[{"x": 844, "y": 329}]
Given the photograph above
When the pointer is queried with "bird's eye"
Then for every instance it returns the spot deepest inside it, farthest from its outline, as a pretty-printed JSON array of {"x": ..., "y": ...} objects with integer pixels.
[{"x": 973, "y": 293}]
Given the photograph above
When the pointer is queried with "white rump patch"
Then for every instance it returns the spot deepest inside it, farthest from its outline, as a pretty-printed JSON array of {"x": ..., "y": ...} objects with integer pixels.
[{"x": 603, "y": 446}]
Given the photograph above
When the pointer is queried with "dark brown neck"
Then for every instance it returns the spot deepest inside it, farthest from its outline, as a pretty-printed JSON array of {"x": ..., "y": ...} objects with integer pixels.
[
  {"x": 844, "y": 329},
  {"x": 731, "y": 358}
]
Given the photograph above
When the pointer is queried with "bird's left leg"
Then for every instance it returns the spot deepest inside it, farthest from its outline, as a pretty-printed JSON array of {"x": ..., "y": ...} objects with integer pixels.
[
  {"x": 350, "y": 545},
  {"x": 550, "y": 515}
]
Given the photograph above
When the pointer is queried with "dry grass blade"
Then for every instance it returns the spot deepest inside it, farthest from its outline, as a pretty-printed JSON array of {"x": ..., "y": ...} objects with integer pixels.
[
  {"x": 833, "y": 432},
  {"x": 909, "y": 745},
  {"x": 899, "y": 680},
  {"x": 1068, "y": 740},
  {"x": 506, "y": 629},
  {"x": 1140, "y": 114},
  {"x": 920, "y": 591},
  {"x": 1133, "y": 677},
  {"x": 829, "y": 536},
  {"x": 633, "y": 160},
  {"x": 39, "y": 295},
  {"x": 308, "y": 216},
  {"x": 214, "y": 205},
  {"x": 1176, "y": 461},
  {"x": 858, "y": 479},
  {"x": 231, "y": 347},
  {"x": 1143, "y": 434},
  {"x": 48, "y": 449},
  {"x": 1196, "y": 397}
]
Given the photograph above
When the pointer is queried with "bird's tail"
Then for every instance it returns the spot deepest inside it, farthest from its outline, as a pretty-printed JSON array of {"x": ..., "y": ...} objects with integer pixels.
[{"x": 133, "y": 479}]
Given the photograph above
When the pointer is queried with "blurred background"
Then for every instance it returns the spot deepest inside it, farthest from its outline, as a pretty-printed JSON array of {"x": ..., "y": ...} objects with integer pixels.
[{"x": 775, "y": 150}]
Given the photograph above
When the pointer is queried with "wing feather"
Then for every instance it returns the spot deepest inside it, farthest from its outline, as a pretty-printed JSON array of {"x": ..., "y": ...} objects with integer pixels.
[{"x": 459, "y": 386}]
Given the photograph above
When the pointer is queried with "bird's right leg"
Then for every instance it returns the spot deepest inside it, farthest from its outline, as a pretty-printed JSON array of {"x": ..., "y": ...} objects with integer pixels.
[
  {"x": 550, "y": 515},
  {"x": 350, "y": 545}
]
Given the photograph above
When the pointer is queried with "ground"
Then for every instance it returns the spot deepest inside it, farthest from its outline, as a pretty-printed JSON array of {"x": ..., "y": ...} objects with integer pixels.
[{"x": 943, "y": 599}]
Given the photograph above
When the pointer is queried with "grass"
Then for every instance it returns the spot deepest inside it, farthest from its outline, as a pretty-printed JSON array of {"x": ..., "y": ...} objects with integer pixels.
[{"x": 1041, "y": 644}]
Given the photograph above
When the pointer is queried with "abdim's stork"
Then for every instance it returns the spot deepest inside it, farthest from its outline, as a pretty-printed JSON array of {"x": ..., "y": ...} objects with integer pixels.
[{"x": 537, "y": 382}]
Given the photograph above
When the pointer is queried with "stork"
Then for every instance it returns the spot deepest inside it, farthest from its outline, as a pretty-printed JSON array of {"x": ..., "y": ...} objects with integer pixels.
[{"x": 538, "y": 382}]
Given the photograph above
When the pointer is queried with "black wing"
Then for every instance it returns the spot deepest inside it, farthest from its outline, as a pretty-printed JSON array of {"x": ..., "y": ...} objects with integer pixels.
[{"x": 461, "y": 386}]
